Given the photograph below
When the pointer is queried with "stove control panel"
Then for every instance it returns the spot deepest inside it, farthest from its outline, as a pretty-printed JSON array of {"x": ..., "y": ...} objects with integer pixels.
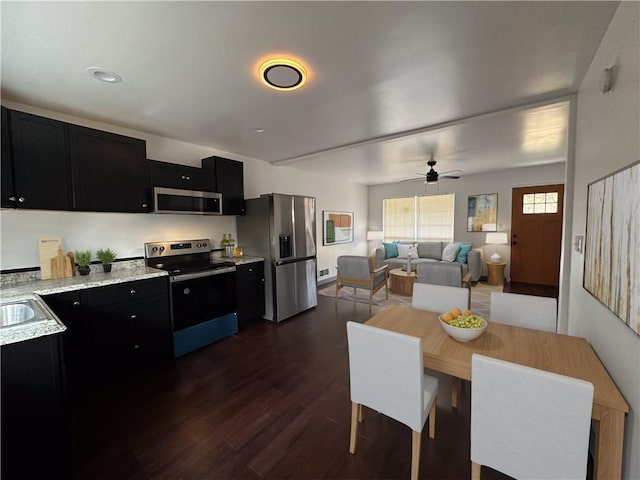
[{"x": 182, "y": 247}]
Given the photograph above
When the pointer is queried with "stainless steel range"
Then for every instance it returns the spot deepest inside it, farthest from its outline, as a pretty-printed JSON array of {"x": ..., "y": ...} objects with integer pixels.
[{"x": 203, "y": 292}]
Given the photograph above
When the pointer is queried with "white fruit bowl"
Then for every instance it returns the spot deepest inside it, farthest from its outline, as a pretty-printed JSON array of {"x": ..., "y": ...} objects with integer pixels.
[{"x": 462, "y": 334}]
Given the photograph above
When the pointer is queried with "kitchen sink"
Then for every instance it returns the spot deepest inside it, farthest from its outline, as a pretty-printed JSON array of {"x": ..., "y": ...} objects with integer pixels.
[{"x": 21, "y": 312}]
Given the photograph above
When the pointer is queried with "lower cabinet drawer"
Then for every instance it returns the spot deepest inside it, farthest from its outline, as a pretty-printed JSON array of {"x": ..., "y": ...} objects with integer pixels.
[
  {"x": 126, "y": 292},
  {"x": 131, "y": 334}
]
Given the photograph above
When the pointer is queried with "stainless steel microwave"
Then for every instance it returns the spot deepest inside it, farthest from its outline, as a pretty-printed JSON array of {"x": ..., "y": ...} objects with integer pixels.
[{"x": 174, "y": 200}]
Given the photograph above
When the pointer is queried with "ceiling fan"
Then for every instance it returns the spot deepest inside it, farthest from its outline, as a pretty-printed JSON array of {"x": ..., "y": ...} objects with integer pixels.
[{"x": 432, "y": 176}]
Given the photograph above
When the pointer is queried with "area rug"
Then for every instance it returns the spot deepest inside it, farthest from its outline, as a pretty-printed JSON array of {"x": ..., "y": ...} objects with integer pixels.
[{"x": 480, "y": 296}]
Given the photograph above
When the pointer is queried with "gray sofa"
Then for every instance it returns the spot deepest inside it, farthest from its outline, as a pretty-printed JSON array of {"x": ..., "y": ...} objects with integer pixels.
[{"x": 429, "y": 266}]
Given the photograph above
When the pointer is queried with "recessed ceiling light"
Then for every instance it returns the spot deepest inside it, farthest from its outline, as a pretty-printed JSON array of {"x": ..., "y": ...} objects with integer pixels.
[
  {"x": 258, "y": 129},
  {"x": 283, "y": 74},
  {"x": 104, "y": 75}
]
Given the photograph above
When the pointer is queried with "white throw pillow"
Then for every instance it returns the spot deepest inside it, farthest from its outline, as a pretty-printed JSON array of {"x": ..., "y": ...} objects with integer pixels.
[
  {"x": 404, "y": 250},
  {"x": 450, "y": 252}
]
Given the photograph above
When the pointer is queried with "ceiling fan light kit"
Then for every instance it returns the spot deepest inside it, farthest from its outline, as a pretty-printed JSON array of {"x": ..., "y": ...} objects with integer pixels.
[{"x": 431, "y": 177}]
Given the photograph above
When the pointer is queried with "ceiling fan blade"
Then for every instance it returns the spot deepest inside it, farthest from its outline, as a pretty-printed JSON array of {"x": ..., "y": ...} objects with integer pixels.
[
  {"x": 451, "y": 171},
  {"x": 450, "y": 177},
  {"x": 422, "y": 179}
]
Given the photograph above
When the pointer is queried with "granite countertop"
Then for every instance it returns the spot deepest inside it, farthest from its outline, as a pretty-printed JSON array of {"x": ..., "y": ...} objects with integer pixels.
[
  {"x": 21, "y": 286},
  {"x": 13, "y": 289},
  {"x": 243, "y": 260}
]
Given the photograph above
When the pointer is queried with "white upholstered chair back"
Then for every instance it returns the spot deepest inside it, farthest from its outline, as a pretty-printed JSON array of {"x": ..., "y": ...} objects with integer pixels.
[
  {"x": 386, "y": 373},
  {"x": 439, "y": 298},
  {"x": 528, "y": 423},
  {"x": 527, "y": 311}
]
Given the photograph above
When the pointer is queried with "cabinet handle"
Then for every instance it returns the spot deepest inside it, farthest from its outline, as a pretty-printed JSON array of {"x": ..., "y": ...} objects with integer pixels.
[
  {"x": 251, "y": 269},
  {"x": 132, "y": 292},
  {"x": 21, "y": 199},
  {"x": 185, "y": 177},
  {"x": 136, "y": 347},
  {"x": 76, "y": 304},
  {"x": 134, "y": 316},
  {"x": 144, "y": 205},
  {"x": 12, "y": 199}
]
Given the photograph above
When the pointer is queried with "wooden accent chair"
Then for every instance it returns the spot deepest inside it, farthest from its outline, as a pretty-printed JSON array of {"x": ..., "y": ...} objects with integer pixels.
[
  {"x": 360, "y": 272},
  {"x": 528, "y": 423},
  {"x": 386, "y": 374},
  {"x": 529, "y": 311}
]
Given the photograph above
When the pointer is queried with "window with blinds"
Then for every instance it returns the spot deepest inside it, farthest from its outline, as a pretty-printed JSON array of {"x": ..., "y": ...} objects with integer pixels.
[{"x": 425, "y": 218}]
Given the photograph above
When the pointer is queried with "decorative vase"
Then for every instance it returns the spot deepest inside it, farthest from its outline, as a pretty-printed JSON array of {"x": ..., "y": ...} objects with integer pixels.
[
  {"x": 84, "y": 269},
  {"x": 106, "y": 267}
]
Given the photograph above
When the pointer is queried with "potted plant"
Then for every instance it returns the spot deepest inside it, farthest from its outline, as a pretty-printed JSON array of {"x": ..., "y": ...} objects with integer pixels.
[
  {"x": 106, "y": 257},
  {"x": 83, "y": 259}
]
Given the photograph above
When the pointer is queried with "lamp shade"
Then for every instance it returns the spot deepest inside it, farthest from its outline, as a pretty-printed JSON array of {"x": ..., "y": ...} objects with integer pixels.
[
  {"x": 375, "y": 235},
  {"x": 497, "y": 238}
]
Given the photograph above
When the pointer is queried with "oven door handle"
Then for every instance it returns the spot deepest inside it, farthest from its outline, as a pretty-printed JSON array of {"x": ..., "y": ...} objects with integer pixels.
[{"x": 208, "y": 273}]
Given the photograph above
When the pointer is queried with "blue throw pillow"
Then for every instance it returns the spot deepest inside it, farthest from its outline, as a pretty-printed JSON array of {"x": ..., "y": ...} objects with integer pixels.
[
  {"x": 462, "y": 253},
  {"x": 390, "y": 250}
]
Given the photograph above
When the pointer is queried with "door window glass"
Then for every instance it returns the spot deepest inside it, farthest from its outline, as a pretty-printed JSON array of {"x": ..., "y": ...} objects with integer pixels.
[{"x": 533, "y": 203}]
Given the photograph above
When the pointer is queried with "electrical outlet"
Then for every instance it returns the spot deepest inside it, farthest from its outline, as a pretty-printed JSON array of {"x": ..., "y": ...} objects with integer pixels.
[{"x": 324, "y": 272}]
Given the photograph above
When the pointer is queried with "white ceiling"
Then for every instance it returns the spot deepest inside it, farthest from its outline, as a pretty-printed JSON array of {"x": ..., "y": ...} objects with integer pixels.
[{"x": 390, "y": 82}]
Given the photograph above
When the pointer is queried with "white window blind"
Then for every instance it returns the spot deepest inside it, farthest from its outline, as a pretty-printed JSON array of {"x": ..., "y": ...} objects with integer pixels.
[{"x": 425, "y": 218}]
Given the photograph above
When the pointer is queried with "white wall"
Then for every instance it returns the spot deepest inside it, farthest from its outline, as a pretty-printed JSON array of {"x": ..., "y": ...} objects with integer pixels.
[
  {"x": 500, "y": 182},
  {"x": 607, "y": 139},
  {"x": 126, "y": 233}
]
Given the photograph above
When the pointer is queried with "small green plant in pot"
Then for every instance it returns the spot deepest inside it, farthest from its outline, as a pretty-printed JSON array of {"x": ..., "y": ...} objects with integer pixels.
[
  {"x": 106, "y": 257},
  {"x": 83, "y": 259}
]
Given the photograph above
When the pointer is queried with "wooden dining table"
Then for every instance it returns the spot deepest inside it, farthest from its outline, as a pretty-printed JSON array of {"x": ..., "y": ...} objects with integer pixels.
[{"x": 562, "y": 354}]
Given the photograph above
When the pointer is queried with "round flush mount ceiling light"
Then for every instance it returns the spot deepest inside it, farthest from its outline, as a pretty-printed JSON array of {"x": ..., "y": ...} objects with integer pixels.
[
  {"x": 104, "y": 75},
  {"x": 283, "y": 74}
]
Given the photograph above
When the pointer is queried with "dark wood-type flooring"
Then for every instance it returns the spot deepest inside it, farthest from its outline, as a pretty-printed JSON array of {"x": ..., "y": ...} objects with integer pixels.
[{"x": 271, "y": 402}]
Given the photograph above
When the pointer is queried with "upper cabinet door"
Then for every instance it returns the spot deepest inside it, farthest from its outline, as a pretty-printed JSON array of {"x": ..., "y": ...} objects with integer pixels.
[
  {"x": 111, "y": 173},
  {"x": 8, "y": 195},
  {"x": 229, "y": 176},
  {"x": 39, "y": 163},
  {"x": 172, "y": 175}
]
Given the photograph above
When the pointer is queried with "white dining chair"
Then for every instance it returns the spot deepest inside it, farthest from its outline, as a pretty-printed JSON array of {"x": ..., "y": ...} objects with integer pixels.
[
  {"x": 442, "y": 298},
  {"x": 386, "y": 375},
  {"x": 439, "y": 298},
  {"x": 528, "y": 423},
  {"x": 529, "y": 311}
]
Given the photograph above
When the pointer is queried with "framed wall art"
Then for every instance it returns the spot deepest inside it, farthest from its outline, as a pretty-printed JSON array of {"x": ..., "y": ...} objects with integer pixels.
[
  {"x": 337, "y": 227},
  {"x": 612, "y": 243},
  {"x": 482, "y": 213}
]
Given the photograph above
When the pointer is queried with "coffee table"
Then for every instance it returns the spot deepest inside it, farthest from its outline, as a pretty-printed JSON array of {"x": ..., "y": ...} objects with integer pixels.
[{"x": 401, "y": 281}]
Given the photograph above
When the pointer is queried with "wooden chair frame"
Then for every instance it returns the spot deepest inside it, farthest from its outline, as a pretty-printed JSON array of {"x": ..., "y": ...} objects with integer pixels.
[{"x": 366, "y": 284}]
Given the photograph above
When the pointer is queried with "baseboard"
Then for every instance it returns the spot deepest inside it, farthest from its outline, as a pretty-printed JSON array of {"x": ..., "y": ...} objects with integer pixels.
[{"x": 326, "y": 281}]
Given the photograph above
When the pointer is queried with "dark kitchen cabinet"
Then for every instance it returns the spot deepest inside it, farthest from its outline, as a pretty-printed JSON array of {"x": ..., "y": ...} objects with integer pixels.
[
  {"x": 115, "y": 329},
  {"x": 35, "y": 167},
  {"x": 250, "y": 288},
  {"x": 110, "y": 171},
  {"x": 53, "y": 165},
  {"x": 229, "y": 175},
  {"x": 172, "y": 175},
  {"x": 36, "y": 440},
  {"x": 67, "y": 307},
  {"x": 129, "y": 324}
]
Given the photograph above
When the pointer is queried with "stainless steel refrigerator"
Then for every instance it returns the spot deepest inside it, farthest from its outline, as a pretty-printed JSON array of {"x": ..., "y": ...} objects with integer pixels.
[{"x": 282, "y": 229}]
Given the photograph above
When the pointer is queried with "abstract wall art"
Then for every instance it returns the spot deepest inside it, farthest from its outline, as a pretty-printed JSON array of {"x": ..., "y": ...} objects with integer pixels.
[
  {"x": 612, "y": 244},
  {"x": 337, "y": 227},
  {"x": 482, "y": 213}
]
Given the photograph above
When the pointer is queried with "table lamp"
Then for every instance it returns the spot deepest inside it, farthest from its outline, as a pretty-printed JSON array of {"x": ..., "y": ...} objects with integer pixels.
[{"x": 497, "y": 238}]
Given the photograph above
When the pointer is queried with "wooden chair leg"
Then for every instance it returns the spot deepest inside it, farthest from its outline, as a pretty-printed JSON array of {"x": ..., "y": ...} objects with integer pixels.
[
  {"x": 354, "y": 426},
  {"x": 432, "y": 421},
  {"x": 455, "y": 386},
  {"x": 415, "y": 454},
  {"x": 360, "y": 414},
  {"x": 475, "y": 471}
]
